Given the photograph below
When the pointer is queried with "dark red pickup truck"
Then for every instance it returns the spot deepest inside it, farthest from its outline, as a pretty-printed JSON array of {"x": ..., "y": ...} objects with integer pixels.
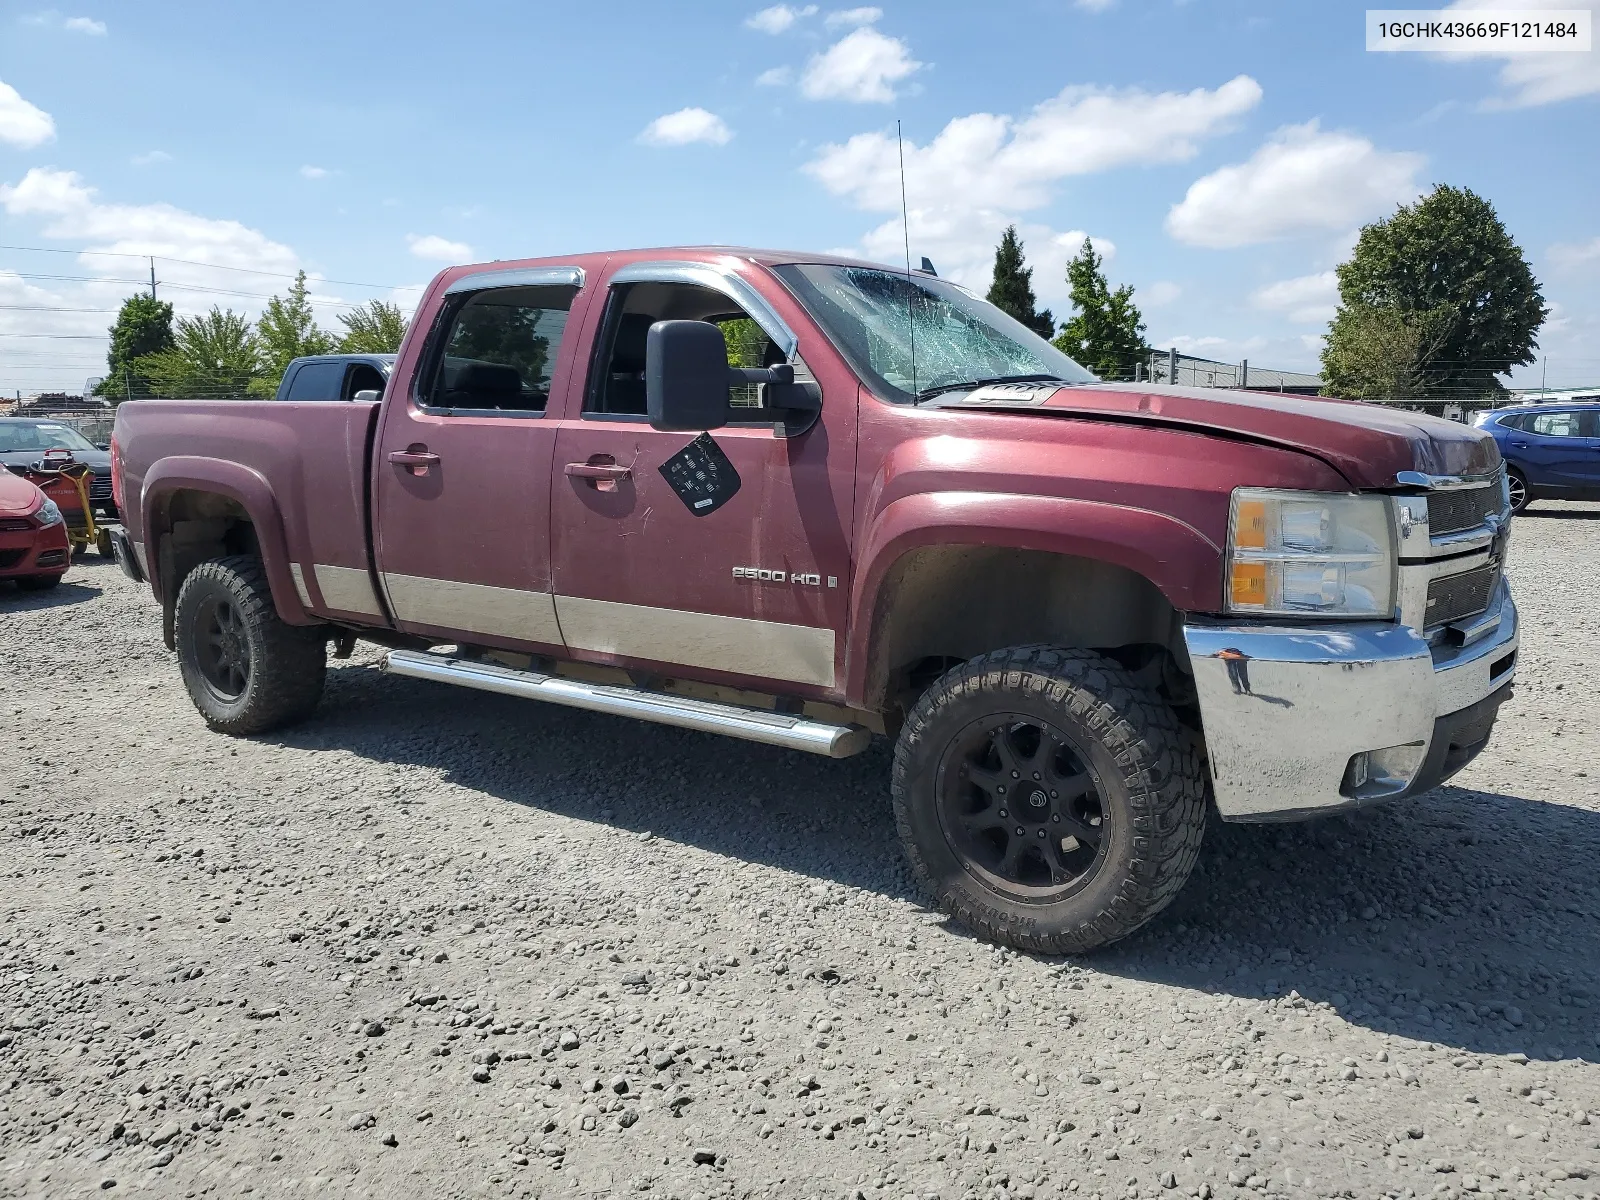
[{"x": 806, "y": 500}]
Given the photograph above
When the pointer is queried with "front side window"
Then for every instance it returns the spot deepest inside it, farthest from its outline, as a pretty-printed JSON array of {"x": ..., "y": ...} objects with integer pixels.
[
  {"x": 911, "y": 336},
  {"x": 499, "y": 351}
]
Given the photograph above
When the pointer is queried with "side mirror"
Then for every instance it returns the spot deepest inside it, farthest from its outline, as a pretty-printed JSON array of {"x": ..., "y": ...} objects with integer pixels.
[
  {"x": 686, "y": 376},
  {"x": 367, "y": 396}
]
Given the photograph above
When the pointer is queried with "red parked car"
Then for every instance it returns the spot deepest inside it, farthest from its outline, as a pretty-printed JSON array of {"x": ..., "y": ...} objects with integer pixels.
[{"x": 33, "y": 536}]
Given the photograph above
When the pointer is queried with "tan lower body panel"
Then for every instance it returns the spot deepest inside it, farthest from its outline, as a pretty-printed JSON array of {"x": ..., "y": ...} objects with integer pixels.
[
  {"x": 346, "y": 589},
  {"x": 738, "y": 645},
  {"x": 474, "y": 608},
  {"x": 300, "y": 584}
]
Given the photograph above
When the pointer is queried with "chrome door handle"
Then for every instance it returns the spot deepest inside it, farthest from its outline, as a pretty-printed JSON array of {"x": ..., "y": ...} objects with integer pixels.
[
  {"x": 413, "y": 458},
  {"x": 609, "y": 471}
]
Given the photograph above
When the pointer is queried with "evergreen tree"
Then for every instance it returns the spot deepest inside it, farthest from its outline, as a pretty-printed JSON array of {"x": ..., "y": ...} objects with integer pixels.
[
  {"x": 1012, "y": 289},
  {"x": 1445, "y": 273},
  {"x": 143, "y": 326},
  {"x": 213, "y": 356},
  {"x": 1106, "y": 333},
  {"x": 286, "y": 331},
  {"x": 374, "y": 328}
]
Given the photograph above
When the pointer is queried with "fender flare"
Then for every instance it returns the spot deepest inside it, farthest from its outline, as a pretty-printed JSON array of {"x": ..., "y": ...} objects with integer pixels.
[
  {"x": 1182, "y": 563},
  {"x": 246, "y": 487}
]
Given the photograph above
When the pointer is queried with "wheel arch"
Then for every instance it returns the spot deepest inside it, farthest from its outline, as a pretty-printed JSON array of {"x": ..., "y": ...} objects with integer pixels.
[{"x": 949, "y": 578}]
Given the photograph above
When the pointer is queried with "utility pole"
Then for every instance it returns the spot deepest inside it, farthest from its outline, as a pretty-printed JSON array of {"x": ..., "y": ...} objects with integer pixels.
[
  {"x": 1172, "y": 365},
  {"x": 152, "y": 277}
]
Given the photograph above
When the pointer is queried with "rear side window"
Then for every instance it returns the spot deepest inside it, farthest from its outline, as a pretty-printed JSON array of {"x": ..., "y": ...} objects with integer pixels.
[
  {"x": 1556, "y": 424},
  {"x": 499, "y": 351},
  {"x": 316, "y": 381}
]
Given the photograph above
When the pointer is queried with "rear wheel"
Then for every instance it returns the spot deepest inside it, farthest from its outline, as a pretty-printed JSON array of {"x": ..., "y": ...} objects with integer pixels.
[
  {"x": 1047, "y": 800},
  {"x": 246, "y": 670},
  {"x": 1517, "y": 485}
]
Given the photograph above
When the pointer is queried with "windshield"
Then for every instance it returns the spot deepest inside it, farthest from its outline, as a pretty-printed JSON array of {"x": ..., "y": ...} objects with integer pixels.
[
  {"x": 30, "y": 435},
  {"x": 905, "y": 335}
]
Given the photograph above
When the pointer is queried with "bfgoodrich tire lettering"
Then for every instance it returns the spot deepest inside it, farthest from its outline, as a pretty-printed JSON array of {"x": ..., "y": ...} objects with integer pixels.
[
  {"x": 1144, "y": 779},
  {"x": 246, "y": 671}
]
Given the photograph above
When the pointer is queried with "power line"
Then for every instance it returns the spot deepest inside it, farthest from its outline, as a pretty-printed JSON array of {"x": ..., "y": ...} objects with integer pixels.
[{"x": 189, "y": 262}]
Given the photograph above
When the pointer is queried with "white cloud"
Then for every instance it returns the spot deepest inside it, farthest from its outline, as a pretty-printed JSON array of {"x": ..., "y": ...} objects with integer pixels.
[
  {"x": 1574, "y": 254},
  {"x": 778, "y": 19},
  {"x": 150, "y": 158},
  {"x": 1306, "y": 299},
  {"x": 862, "y": 67},
  {"x": 84, "y": 25},
  {"x": 984, "y": 160},
  {"x": 686, "y": 126},
  {"x": 310, "y": 172},
  {"x": 775, "y": 77},
  {"x": 1159, "y": 294},
  {"x": 1300, "y": 180},
  {"x": 22, "y": 124},
  {"x": 432, "y": 246},
  {"x": 853, "y": 16},
  {"x": 1532, "y": 78}
]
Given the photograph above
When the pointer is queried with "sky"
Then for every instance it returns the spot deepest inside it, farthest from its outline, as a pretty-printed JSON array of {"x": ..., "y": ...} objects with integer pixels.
[{"x": 1221, "y": 154}]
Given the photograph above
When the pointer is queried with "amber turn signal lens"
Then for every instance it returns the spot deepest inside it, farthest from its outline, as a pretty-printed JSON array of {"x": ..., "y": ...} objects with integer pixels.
[
  {"x": 1250, "y": 525},
  {"x": 1248, "y": 587}
]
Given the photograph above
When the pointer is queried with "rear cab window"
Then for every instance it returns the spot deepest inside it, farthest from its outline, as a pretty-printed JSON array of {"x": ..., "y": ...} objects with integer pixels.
[{"x": 316, "y": 381}]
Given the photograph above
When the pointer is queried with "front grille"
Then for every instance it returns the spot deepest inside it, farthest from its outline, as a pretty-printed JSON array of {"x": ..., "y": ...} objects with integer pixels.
[
  {"x": 10, "y": 558},
  {"x": 15, "y": 525},
  {"x": 100, "y": 488},
  {"x": 1451, "y": 512},
  {"x": 1455, "y": 597}
]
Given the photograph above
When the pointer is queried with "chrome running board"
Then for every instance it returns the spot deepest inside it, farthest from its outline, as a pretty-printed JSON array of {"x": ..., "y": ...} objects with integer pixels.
[{"x": 753, "y": 725}]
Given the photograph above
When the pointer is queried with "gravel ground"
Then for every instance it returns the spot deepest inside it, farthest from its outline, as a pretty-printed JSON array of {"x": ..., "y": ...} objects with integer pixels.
[{"x": 436, "y": 943}]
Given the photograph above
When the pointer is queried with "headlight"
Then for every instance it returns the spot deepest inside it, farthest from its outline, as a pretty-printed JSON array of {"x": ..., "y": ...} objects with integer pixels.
[
  {"x": 48, "y": 513},
  {"x": 1310, "y": 553}
]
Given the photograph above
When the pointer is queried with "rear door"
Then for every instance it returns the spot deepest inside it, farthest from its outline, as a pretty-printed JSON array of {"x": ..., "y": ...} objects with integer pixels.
[
  {"x": 1554, "y": 450},
  {"x": 753, "y": 589},
  {"x": 462, "y": 470}
]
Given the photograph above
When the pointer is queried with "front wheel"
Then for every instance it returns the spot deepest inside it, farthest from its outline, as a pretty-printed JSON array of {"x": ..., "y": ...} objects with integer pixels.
[
  {"x": 246, "y": 670},
  {"x": 1048, "y": 800},
  {"x": 1517, "y": 485}
]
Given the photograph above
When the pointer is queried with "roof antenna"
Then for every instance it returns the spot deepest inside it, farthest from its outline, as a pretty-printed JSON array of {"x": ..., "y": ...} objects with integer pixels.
[{"x": 905, "y": 224}]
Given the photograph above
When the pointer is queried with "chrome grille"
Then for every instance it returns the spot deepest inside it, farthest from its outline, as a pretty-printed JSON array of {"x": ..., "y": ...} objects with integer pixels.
[
  {"x": 1451, "y": 512},
  {"x": 1454, "y": 597}
]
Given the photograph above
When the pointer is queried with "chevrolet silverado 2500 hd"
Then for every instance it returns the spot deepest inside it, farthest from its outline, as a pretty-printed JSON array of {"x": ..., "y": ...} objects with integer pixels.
[{"x": 806, "y": 500}]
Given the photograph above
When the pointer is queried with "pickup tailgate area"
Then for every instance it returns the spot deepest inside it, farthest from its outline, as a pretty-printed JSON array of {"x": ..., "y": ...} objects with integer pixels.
[{"x": 298, "y": 473}]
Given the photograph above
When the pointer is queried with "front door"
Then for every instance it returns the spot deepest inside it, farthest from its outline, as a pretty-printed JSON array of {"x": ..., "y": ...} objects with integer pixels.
[
  {"x": 753, "y": 591},
  {"x": 462, "y": 494}
]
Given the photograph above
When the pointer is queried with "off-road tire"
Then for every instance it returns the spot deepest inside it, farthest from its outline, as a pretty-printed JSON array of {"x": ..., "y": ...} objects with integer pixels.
[
  {"x": 1527, "y": 496},
  {"x": 286, "y": 663},
  {"x": 1149, "y": 776},
  {"x": 38, "y": 583}
]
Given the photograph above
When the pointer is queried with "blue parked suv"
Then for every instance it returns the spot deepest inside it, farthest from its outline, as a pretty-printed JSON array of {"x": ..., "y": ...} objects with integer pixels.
[{"x": 1552, "y": 451}]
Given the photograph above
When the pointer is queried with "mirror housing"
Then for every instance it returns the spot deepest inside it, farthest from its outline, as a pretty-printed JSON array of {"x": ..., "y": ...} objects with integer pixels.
[
  {"x": 686, "y": 376},
  {"x": 367, "y": 396}
]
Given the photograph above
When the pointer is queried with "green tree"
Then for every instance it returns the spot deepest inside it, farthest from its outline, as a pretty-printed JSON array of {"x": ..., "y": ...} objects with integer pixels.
[
  {"x": 286, "y": 331},
  {"x": 1012, "y": 288},
  {"x": 374, "y": 328},
  {"x": 1106, "y": 333},
  {"x": 143, "y": 326},
  {"x": 1446, "y": 269},
  {"x": 215, "y": 355},
  {"x": 1381, "y": 354}
]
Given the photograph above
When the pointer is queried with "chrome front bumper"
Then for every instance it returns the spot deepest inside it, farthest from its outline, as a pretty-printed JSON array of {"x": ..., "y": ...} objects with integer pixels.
[{"x": 1305, "y": 720}]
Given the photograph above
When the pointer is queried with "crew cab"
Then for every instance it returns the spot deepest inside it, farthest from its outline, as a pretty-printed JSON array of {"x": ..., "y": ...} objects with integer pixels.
[{"x": 809, "y": 501}]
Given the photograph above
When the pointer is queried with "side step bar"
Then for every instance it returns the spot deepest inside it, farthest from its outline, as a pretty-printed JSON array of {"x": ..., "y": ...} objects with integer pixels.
[{"x": 753, "y": 725}]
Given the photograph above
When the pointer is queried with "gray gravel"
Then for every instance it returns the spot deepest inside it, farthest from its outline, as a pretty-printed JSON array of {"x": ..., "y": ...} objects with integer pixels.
[{"x": 436, "y": 943}]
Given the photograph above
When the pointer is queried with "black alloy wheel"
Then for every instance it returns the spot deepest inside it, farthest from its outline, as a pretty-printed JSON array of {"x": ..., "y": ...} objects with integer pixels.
[
  {"x": 1020, "y": 804},
  {"x": 222, "y": 648}
]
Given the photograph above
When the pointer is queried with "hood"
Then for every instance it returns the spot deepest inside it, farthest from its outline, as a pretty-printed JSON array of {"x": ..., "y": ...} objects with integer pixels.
[
  {"x": 18, "y": 497},
  {"x": 1368, "y": 444},
  {"x": 98, "y": 461}
]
